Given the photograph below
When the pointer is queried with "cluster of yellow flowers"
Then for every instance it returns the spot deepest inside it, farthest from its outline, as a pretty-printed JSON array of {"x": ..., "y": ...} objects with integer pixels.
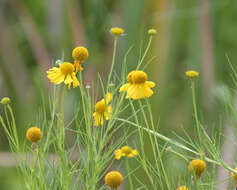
[
  {"x": 137, "y": 87},
  {"x": 67, "y": 71}
]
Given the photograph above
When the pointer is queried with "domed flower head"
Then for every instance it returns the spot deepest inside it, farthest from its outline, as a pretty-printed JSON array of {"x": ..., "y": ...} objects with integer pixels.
[
  {"x": 65, "y": 73},
  {"x": 116, "y": 31},
  {"x": 138, "y": 87},
  {"x": 79, "y": 54},
  {"x": 182, "y": 188},
  {"x": 198, "y": 166},
  {"x": 125, "y": 151},
  {"x": 192, "y": 74},
  {"x": 34, "y": 134},
  {"x": 5, "y": 101},
  {"x": 113, "y": 179},
  {"x": 102, "y": 110},
  {"x": 152, "y": 32}
]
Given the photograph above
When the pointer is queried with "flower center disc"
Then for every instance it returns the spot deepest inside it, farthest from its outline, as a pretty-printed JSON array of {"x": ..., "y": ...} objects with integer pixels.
[
  {"x": 80, "y": 54},
  {"x": 100, "y": 107},
  {"x": 126, "y": 150},
  {"x": 66, "y": 68},
  {"x": 139, "y": 77},
  {"x": 129, "y": 78}
]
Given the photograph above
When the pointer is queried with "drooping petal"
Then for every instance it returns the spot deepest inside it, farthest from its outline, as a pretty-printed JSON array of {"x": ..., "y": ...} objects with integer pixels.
[
  {"x": 98, "y": 119},
  {"x": 108, "y": 112},
  {"x": 125, "y": 87},
  {"x": 75, "y": 80},
  {"x": 138, "y": 91},
  {"x": 118, "y": 154},
  {"x": 68, "y": 79},
  {"x": 108, "y": 98}
]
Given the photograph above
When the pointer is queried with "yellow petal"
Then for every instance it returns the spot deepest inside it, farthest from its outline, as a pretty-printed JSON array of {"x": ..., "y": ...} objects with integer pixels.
[
  {"x": 75, "y": 80},
  {"x": 135, "y": 152},
  {"x": 138, "y": 91},
  {"x": 125, "y": 87},
  {"x": 108, "y": 112},
  {"x": 108, "y": 98},
  {"x": 59, "y": 79},
  {"x": 118, "y": 154},
  {"x": 98, "y": 119},
  {"x": 150, "y": 84},
  {"x": 68, "y": 79}
]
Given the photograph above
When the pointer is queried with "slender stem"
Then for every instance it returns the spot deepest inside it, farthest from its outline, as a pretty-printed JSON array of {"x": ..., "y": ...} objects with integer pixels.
[
  {"x": 62, "y": 118},
  {"x": 14, "y": 127},
  {"x": 195, "y": 110},
  {"x": 52, "y": 118},
  {"x": 113, "y": 61},
  {"x": 129, "y": 176},
  {"x": 145, "y": 53}
]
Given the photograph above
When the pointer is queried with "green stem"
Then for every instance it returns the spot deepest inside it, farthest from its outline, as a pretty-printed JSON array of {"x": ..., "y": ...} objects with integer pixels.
[
  {"x": 129, "y": 176},
  {"x": 62, "y": 118},
  {"x": 195, "y": 110},
  {"x": 113, "y": 61},
  {"x": 49, "y": 132},
  {"x": 145, "y": 53},
  {"x": 14, "y": 127}
]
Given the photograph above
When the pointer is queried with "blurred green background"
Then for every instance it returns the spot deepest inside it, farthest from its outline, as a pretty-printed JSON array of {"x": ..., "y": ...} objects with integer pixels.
[{"x": 191, "y": 35}]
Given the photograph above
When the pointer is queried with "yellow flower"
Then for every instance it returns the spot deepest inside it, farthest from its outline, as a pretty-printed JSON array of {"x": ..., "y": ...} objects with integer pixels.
[
  {"x": 5, "y": 101},
  {"x": 152, "y": 32},
  {"x": 65, "y": 73},
  {"x": 79, "y": 54},
  {"x": 182, "y": 188},
  {"x": 117, "y": 31},
  {"x": 113, "y": 179},
  {"x": 102, "y": 110},
  {"x": 192, "y": 74},
  {"x": 125, "y": 151},
  {"x": 234, "y": 176},
  {"x": 138, "y": 87},
  {"x": 33, "y": 134},
  {"x": 198, "y": 166}
]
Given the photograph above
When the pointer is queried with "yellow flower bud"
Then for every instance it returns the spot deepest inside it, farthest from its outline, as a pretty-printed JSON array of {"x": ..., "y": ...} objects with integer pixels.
[
  {"x": 192, "y": 74},
  {"x": 152, "y": 32},
  {"x": 5, "y": 101},
  {"x": 113, "y": 179},
  {"x": 198, "y": 166},
  {"x": 116, "y": 31},
  {"x": 34, "y": 134}
]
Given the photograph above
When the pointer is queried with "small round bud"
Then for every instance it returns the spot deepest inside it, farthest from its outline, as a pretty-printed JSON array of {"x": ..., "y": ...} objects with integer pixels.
[
  {"x": 5, "y": 100},
  {"x": 152, "y": 32},
  {"x": 192, "y": 74},
  {"x": 116, "y": 31},
  {"x": 58, "y": 62}
]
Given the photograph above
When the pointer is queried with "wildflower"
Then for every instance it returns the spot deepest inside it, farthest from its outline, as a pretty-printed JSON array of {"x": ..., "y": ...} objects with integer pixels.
[
  {"x": 65, "y": 73},
  {"x": 125, "y": 151},
  {"x": 152, "y": 32},
  {"x": 79, "y": 54},
  {"x": 34, "y": 134},
  {"x": 116, "y": 31},
  {"x": 234, "y": 175},
  {"x": 113, "y": 179},
  {"x": 5, "y": 101},
  {"x": 198, "y": 166},
  {"x": 102, "y": 110},
  {"x": 182, "y": 188},
  {"x": 192, "y": 74},
  {"x": 138, "y": 87}
]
